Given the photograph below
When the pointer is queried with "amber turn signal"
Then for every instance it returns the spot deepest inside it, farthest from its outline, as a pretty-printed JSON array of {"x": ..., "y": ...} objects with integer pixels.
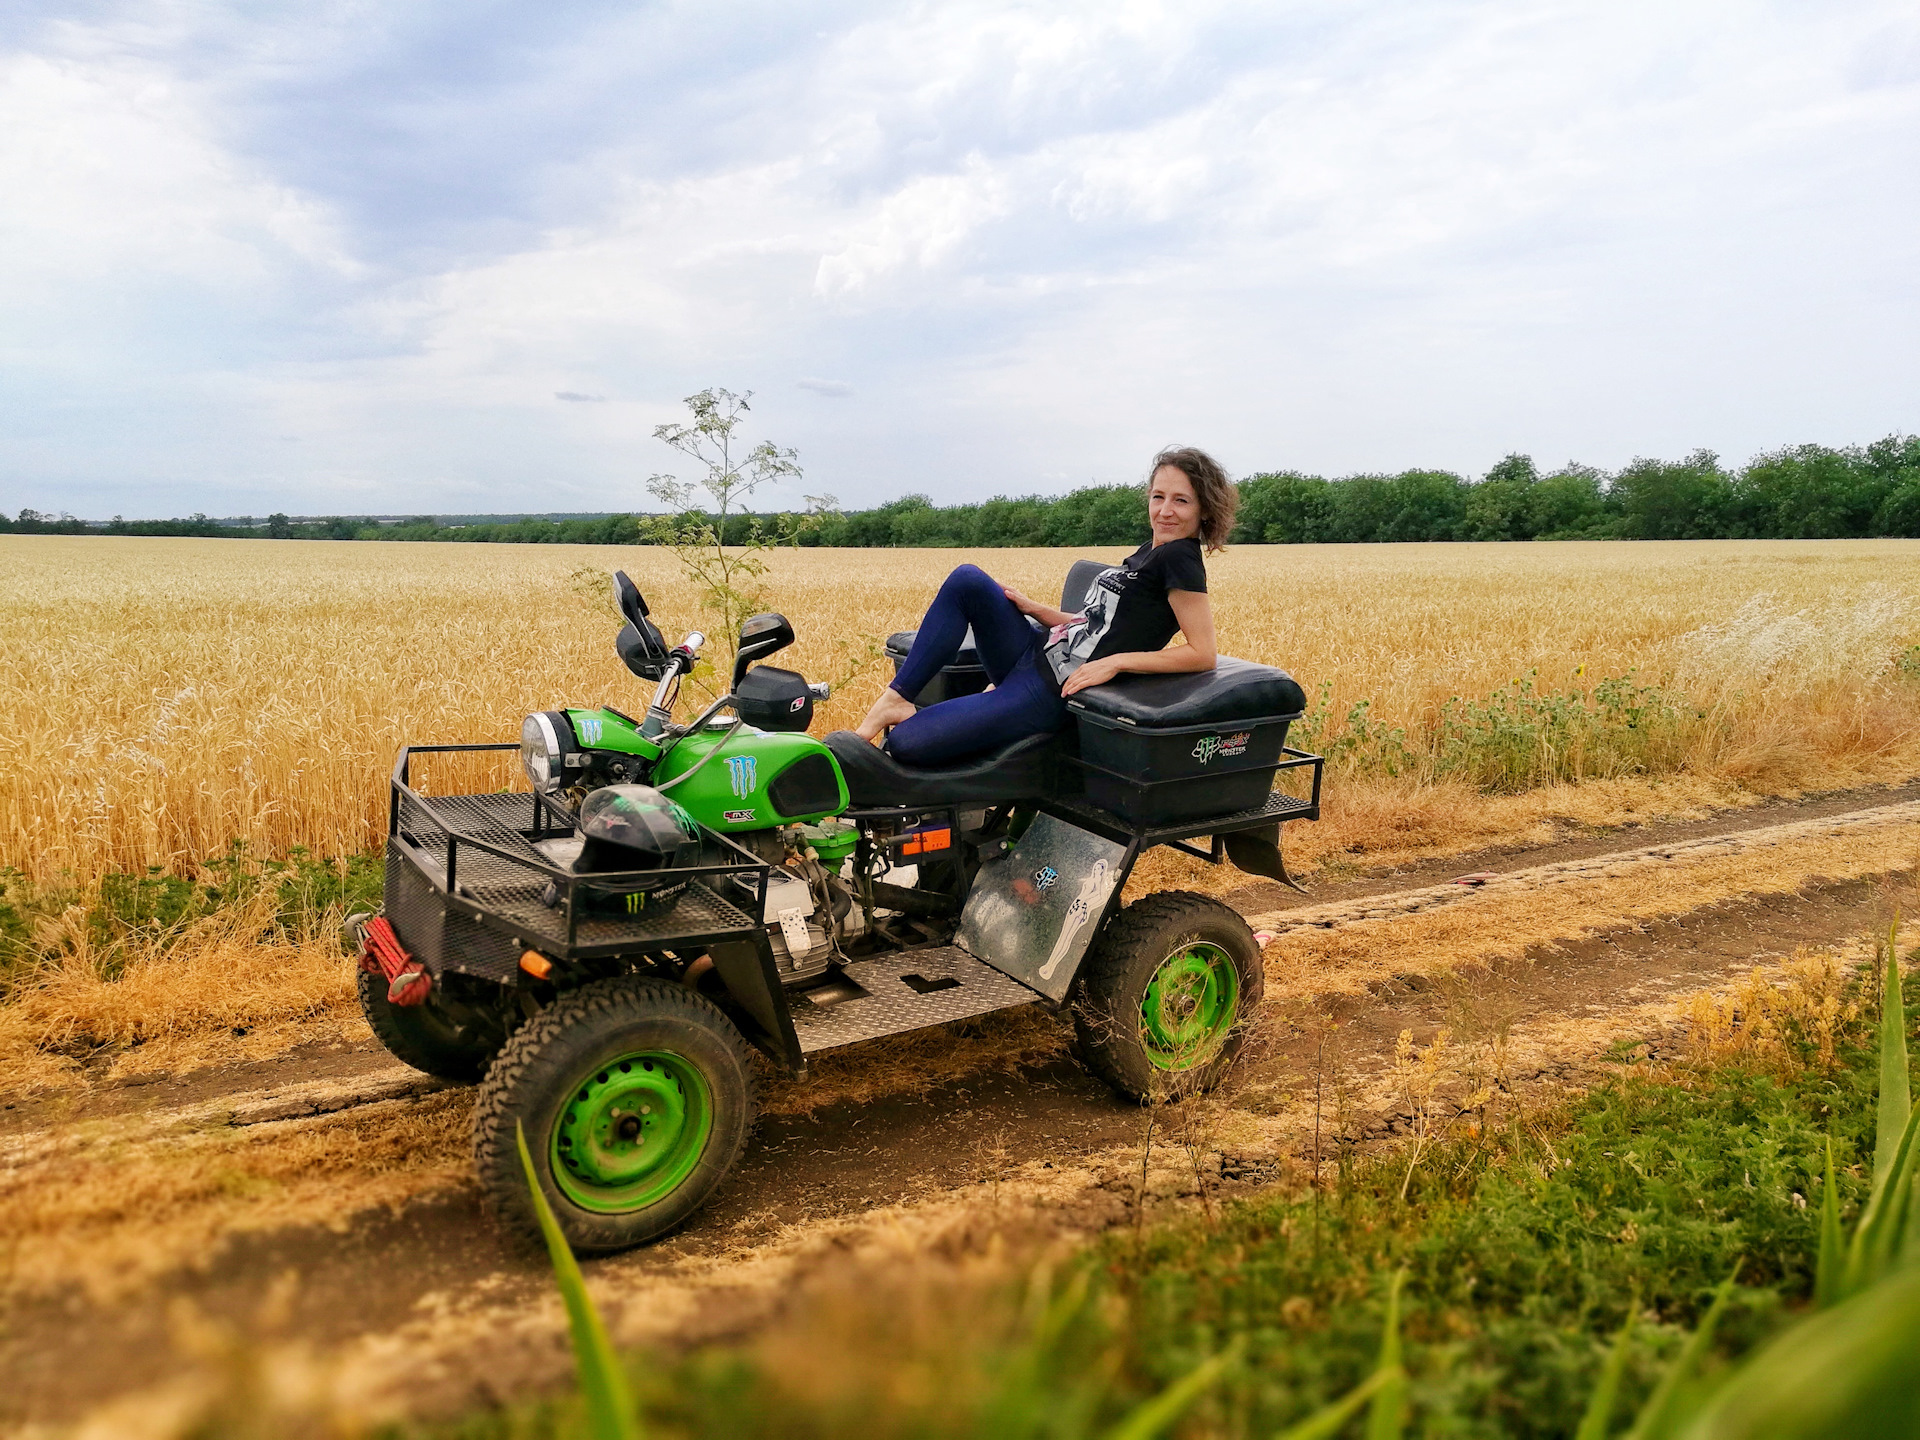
[{"x": 536, "y": 964}]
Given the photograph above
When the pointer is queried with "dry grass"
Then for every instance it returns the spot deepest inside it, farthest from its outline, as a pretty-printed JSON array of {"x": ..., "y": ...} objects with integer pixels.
[
  {"x": 1373, "y": 823},
  {"x": 166, "y": 697},
  {"x": 226, "y": 988},
  {"x": 1775, "y": 1014}
]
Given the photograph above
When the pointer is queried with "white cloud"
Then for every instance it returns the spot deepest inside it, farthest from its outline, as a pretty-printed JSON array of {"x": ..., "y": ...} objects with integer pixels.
[
  {"x": 1332, "y": 236},
  {"x": 111, "y": 166},
  {"x": 923, "y": 223}
]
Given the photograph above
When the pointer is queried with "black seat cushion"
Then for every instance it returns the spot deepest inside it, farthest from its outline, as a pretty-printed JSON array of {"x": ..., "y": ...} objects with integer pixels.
[
  {"x": 1234, "y": 690},
  {"x": 1013, "y": 772},
  {"x": 901, "y": 641}
]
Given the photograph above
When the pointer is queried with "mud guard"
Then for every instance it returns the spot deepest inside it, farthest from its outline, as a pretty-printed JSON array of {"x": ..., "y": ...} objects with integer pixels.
[
  {"x": 747, "y": 969},
  {"x": 1258, "y": 853},
  {"x": 1033, "y": 915}
]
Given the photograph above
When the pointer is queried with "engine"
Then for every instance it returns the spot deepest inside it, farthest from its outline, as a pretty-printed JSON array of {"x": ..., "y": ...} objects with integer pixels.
[{"x": 810, "y": 912}]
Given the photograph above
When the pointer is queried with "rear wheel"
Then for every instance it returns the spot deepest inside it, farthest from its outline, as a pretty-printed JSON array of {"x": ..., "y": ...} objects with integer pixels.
[
  {"x": 425, "y": 1036},
  {"x": 636, "y": 1096},
  {"x": 1165, "y": 994}
]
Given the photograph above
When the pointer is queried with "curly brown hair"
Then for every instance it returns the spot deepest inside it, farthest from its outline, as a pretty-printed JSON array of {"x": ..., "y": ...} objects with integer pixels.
[{"x": 1218, "y": 496}]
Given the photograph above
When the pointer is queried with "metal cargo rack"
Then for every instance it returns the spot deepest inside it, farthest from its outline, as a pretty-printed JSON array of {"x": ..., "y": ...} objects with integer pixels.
[
  {"x": 1277, "y": 809},
  {"x": 477, "y": 857},
  {"x": 1263, "y": 820}
]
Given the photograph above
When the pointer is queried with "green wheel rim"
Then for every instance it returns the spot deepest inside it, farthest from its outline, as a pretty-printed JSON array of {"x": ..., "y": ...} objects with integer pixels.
[
  {"x": 1191, "y": 1004},
  {"x": 631, "y": 1132}
]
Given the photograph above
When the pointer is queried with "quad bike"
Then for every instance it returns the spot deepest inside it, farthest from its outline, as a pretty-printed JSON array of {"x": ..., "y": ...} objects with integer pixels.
[{"x": 600, "y": 953}]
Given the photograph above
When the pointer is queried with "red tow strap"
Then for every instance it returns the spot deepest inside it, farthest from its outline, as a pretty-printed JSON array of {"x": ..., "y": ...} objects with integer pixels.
[{"x": 408, "y": 982}]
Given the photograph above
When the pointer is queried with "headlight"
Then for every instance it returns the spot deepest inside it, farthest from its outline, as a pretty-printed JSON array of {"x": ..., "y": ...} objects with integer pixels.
[{"x": 541, "y": 752}]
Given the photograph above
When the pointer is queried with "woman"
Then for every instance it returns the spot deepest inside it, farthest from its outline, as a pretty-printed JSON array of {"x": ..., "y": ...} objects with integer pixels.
[{"x": 1132, "y": 611}]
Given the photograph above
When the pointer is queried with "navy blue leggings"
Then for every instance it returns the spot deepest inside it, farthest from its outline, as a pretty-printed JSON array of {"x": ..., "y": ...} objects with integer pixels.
[{"x": 1025, "y": 699}]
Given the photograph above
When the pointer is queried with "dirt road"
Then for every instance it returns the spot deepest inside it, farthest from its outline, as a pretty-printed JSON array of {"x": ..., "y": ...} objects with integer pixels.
[{"x": 324, "y": 1195}]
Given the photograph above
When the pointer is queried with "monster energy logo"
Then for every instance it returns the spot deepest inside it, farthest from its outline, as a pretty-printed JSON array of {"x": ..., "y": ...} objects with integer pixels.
[
  {"x": 740, "y": 770},
  {"x": 1207, "y": 748}
]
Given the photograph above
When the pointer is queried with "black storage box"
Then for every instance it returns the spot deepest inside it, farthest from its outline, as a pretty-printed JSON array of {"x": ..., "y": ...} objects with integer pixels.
[
  {"x": 965, "y": 676},
  {"x": 1162, "y": 749}
]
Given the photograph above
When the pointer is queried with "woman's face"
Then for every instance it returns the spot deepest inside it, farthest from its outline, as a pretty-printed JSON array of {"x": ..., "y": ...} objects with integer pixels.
[{"x": 1172, "y": 508}]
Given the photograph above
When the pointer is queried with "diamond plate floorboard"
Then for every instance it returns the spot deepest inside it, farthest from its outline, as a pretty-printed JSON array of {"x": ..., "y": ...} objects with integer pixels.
[{"x": 953, "y": 985}]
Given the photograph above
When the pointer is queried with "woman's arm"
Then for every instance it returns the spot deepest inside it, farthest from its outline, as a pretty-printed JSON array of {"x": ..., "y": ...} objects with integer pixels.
[
  {"x": 1195, "y": 614},
  {"x": 1045, "y": 614}
]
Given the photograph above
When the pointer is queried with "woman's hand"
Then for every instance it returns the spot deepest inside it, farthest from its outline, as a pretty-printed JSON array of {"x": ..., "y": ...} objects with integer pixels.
[
  {"x": 1045, "y": 614},
  {"x": 1094, "y": 672},
  {"x": 1021, "y": 602}
]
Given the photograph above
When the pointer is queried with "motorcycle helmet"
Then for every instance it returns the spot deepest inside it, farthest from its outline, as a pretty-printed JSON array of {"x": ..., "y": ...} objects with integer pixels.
[{"x": 628, "y": 828}]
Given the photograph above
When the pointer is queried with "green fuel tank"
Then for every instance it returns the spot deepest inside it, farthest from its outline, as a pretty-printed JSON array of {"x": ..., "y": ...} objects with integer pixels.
[{"x": 758, "y": 778}]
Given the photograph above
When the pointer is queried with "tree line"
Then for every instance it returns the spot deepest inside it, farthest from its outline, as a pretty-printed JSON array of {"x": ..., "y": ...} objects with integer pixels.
[{"x": 1803, "y": 492}]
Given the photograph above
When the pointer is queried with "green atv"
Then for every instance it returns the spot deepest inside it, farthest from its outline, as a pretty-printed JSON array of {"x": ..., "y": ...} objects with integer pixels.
[{"x": 601, "y": 951}]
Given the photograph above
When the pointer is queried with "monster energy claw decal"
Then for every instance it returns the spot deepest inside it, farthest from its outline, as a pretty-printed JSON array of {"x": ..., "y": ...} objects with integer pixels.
[{"x": 741, "y": 772}]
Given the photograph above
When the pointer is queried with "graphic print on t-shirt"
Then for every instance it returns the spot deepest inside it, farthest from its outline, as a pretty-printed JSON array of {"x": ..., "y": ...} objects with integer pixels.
[{"x": 1071, "y": 645}]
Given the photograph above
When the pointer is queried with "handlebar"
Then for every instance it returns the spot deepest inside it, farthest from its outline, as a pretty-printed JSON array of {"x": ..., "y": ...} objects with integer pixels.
[{"x": 680, "y": 660}]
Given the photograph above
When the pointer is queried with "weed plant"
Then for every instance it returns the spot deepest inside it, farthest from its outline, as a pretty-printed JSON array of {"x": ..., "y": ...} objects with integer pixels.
[
  {"x": 1525, "y": 1247},
  {"x": 1518, "y": 737}
]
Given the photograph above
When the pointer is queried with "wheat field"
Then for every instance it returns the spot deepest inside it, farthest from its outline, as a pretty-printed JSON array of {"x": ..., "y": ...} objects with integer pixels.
[{"x": 164, "y": 698}]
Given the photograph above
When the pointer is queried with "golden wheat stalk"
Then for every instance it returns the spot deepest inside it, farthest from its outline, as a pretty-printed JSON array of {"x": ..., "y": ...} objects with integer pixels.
[{"x": 164, "y": 698}]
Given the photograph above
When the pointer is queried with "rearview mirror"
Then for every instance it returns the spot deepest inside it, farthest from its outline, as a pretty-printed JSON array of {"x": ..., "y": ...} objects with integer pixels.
[{"x": 760, "y": 637}]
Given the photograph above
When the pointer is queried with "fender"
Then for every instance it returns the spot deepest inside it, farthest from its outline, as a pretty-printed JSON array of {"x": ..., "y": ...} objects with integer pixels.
[{"x": 1258, "y": 853}]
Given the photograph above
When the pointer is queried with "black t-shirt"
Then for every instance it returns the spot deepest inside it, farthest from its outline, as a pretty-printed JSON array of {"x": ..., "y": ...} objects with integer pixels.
[{"x": 1126, "y": 608}]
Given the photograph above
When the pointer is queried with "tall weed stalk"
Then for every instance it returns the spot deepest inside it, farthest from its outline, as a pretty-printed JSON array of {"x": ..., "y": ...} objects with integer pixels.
[{"x": 603, "y": 1385}]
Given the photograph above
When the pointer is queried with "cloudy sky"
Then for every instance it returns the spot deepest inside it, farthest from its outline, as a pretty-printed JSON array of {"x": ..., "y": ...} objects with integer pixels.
[{"x": 422, "y": 255}]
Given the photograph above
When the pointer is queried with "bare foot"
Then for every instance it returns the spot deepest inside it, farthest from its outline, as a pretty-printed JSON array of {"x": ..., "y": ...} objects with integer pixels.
[{"x": 890, "y": 709}]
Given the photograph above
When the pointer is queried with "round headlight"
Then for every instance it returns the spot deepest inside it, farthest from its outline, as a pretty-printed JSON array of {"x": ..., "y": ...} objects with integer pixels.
[{"x": 540, "y": 751}]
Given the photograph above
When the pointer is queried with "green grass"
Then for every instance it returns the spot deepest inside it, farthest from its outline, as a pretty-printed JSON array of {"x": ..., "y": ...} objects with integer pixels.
[
  {"x": 1525, "y": 1254},
  {"x": 1519, "y": 737},
  {"x": 124, "y": 912},
  {"x": 1548, "y": 1256}
]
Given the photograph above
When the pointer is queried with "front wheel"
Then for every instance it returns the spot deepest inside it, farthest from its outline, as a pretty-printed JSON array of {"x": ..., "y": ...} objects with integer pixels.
[
  {"x": 1165, "y": 995},
  {"x": 636, "y": 1096}
]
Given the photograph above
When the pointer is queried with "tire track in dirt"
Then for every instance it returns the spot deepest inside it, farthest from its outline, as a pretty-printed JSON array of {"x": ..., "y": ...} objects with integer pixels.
[
  {"x": 1619, "y": 865},
  {"x": 426, "y": 1307}
]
